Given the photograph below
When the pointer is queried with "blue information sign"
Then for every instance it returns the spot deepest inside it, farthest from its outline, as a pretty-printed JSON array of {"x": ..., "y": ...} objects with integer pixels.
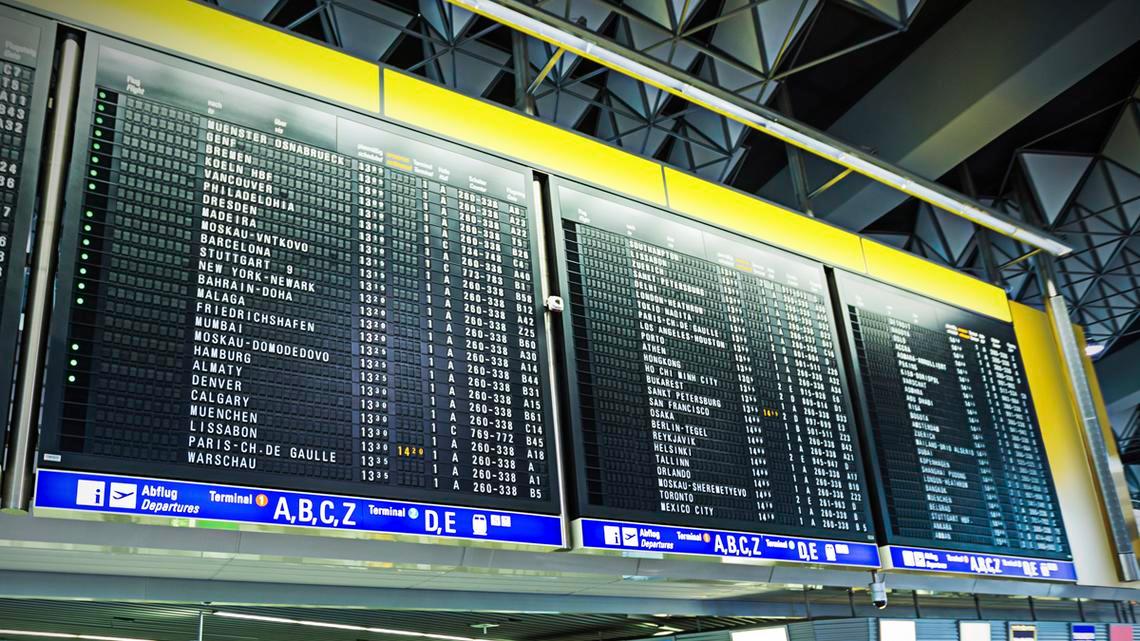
[
  {"x": 995, "y": 565},
  {"x": 638, "y": 537},
  {"x": 1084, "y": 632},
  {"x": 112, "y": 494}
]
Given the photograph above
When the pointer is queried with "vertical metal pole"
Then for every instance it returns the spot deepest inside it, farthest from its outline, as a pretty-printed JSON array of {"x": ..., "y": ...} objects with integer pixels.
[
  {"x": 1032, "y": 609},
  {"x": 978, "y": 606},
  {"x": 1062, "y": 324},
  {"x": 547, "y": 286},
  {"x": 520, "y": 57},
  {"x": 985, "y": 244},
  {"x": 17, "y": 487},
  {"x": 796, "y": 167},
  {"x": 1071, "y": 356},
  {"x": 201, "y": 624},
  {"x": 1081, "y": 609}
]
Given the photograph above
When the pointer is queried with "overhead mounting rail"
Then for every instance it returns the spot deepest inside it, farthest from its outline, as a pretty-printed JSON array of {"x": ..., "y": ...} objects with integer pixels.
[{"x": 534, "y": 22}]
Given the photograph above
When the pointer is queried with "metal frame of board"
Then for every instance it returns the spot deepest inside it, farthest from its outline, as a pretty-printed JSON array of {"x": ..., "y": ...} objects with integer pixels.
[
  {"x": 572, "y": 416},
  {"x": 37, "y": 34},
  {"x": 882, "y": 512},
  {"x": 68, "y": 247}
]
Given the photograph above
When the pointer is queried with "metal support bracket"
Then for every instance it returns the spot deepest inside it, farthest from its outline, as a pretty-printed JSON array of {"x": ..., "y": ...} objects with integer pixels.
[
  {"x": 1062, "y": 324},
  {"x": 546, "y": 69},
  {"x": 17, "y": 487}
]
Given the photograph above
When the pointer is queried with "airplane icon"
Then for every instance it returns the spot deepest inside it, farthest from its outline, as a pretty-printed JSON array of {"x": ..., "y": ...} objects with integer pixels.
[{"x": 124, "y": 496}]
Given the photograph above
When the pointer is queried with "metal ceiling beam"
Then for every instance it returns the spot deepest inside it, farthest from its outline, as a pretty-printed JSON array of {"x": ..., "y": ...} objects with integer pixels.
[
  {"x": 990, "y": 66},
  {"x": 548, "y": 28}
]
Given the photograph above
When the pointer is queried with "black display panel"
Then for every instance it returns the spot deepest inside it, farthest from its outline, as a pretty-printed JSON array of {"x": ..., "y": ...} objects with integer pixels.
[
  {"x": 706, "y": 387},
  {"x": 25, "y": 68},
  {"x": 955, "y": 441},
  {"x": 259, "y": 289}
]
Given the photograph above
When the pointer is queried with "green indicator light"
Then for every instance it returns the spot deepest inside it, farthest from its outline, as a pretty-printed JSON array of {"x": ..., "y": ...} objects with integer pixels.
[
  {"x": 70, "y": 379},
  {"x": 83, "y": 255},
  {"x": 79, "y": 300},
  {"x": 86, "y": 242},
  {"x": 74, "y": 362},
  {"x": 91, "y": 185},
  {"x": 87, "y": 228},
  {"x": 99, "y": 119},
  {"x": 97, "y": 146},
  {"x": 95, "y": 159},
  {"x": 75, "y": 347},
  {"x": 102, "y": 108},
  {"x": 94, "y": 173},
  {"x": 90, "y": 214},
  {"x": 98, "y": 133},
  {"x": 83, "y": 270},
  {"x": 82, "y": 286}
]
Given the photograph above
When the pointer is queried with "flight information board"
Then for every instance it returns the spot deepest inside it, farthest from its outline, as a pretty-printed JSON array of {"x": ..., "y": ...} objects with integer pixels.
[
  {"x": 960, "y": 460},
  {"x": 25, "y": 48},
  {"x": 258, "y": 290},
  {"x": 706, "y": 387}
]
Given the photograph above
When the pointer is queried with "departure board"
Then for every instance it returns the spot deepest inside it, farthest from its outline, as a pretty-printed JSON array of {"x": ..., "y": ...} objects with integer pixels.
[
  {"x": 960, "y": 460},
  {"x": 24, "y": 67},
  {"x": 706, "y": 387},
  {"x": 259, "y": 289}
]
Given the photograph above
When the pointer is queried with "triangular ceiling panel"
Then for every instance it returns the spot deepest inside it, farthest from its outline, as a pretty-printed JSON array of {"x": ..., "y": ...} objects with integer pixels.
[
  {"x": 680, "y": 55},
  {"x": 926, "y": 230},
  {"x": 1105, "y": 251},
  {"x": 1131, "y": 213},
  {"x": 1123, "y": 145},
  {"x": 738, "y": 37},
  {"x": 890, "y": 8},
  {"x": 655, "y": 10},
  {"x": 636, "y": 97},
  {"x": 896, "y": 240},
  {"x": 252, "y": 9},
  {"x": 911, "y": 5},
  {"x": 683, "y": 10},
  {"x": 735, "y": 79},
  {"x": 1095, "y": 196},
  {"x": 712, "y": 171},
  {"x": 539, "y": 53},
  {"x": 447, "y": 19},
  {"x": 563, "y": 107},
  {"x": 777, "y": 18},
  {"x": 958, "y": 232},
  {"x": 1126, "y": 183},
  {"x": 362, "y": 36},
  {"x": 642, "y": 36},
  {"x": 1077, "y": 285},
  {"x": 1054, "y": 177},
  {"x": 473, "y": 76}
]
